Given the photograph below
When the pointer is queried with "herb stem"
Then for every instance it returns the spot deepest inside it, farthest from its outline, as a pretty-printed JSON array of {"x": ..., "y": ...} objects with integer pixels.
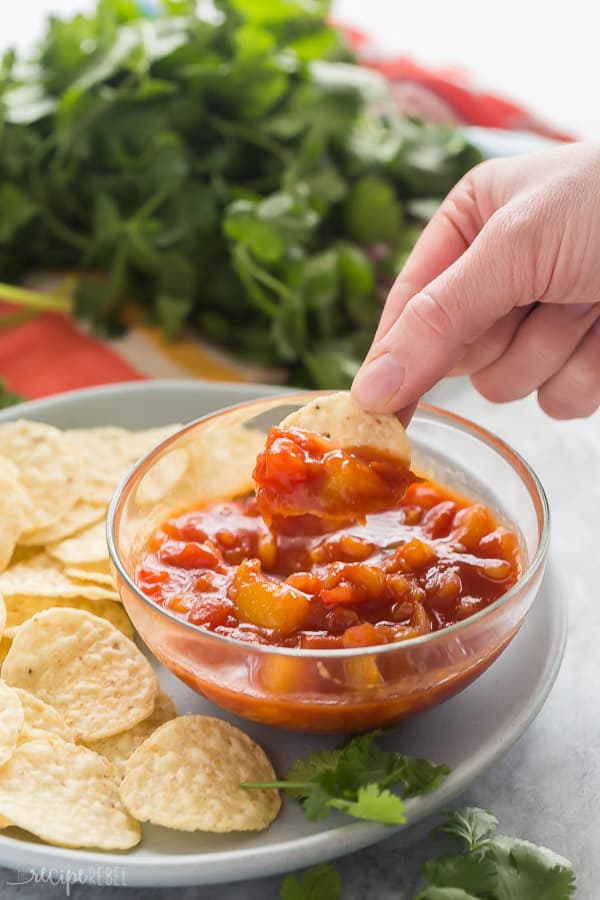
[
  {"x": 284, "y": 785},
  {"x": 35, "y": 299},
  {"x": 251, "y": 136},
  {"x": 262, "y": 276}
]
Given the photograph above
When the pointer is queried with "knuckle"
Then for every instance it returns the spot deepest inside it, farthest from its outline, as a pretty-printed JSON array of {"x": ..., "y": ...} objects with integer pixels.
[
  {"x": 517, "y": 240},
  {"x": 432, "y": 314},
  {"x": 573, "y": 393},
  {"x": 557, "y": 404},
  {"x": 497, "y": 388}
]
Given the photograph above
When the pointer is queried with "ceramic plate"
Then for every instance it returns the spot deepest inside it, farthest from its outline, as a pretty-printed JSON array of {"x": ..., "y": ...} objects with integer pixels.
[{"x": 469, "y": 732}]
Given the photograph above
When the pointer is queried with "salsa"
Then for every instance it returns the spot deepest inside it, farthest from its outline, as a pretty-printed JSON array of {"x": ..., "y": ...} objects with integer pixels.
[
  {"x": 301, "y": 473},
  {"x": 305, "y": 565}
]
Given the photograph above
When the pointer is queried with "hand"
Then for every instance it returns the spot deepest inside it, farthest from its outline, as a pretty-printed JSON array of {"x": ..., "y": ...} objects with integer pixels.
[{"x": 502, "y": 285}]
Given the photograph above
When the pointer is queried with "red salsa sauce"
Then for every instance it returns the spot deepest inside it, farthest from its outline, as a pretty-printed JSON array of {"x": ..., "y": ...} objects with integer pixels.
[{"x": 323, "y": 574}]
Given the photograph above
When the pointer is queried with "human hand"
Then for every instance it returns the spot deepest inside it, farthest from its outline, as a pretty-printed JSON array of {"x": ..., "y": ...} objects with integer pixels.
[{"x": 503, "y": 285}]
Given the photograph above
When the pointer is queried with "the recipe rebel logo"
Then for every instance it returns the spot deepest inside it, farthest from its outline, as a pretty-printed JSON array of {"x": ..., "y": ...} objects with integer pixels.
[{"x": 92, "y": 876}]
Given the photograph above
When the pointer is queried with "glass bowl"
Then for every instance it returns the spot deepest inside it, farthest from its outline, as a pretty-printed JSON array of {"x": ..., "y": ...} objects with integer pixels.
[{"x": 324, "y": 690}]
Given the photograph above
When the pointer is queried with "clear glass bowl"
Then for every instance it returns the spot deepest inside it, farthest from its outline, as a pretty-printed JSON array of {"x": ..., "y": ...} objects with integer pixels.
[{"x": 324, "y": 690}]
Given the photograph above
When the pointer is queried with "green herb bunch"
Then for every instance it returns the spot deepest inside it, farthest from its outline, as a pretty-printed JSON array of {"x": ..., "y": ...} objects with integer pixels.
[{"x": 229, "y": 167}]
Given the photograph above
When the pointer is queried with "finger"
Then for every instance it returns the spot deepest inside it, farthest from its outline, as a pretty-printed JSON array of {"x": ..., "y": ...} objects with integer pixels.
[
  {"x": 492, "y": 344},
  {"x": 574, "y": 392},
  {"x": 541, "y": 347},
  {"x": 437, "y": 324},
  {"x": 405, "y": 415},
  {"x": 446, "y": 237}
]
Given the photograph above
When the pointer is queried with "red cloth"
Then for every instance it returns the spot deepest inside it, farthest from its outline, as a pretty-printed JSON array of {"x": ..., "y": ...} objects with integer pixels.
[{"x": 50, "y": 354}]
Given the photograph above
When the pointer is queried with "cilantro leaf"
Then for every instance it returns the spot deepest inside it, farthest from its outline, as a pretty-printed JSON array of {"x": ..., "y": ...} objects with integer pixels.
[
  {"x": 373, "y": 804},
  {"x": 472, "y": 825},
  {"x": 473, "y": 872},
  {"x": 322, "y": 882},
  {"x": 525, "y": 870},
  {"x": 355, "y": 778},
  {"x": 495, "y": 867}
]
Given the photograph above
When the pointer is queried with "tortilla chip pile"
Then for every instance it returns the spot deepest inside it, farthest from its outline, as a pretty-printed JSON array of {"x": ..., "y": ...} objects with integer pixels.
[{"x": 90, "y": 746}]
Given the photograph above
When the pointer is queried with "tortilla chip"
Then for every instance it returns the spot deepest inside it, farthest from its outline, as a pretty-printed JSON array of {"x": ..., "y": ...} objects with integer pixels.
[
  {"x": 66, "y": 795},
  {"x": 119, "y": 748},
  {"x": 48, "y": 470},
  {"x": 15, "y": 506},
  {"x": 336, "y": 416},
  {"x": 40, "y": 716},
  {"x": 66, "y": 524},
  {"x": 11, "y": 721},
  {"x": 42, "y": 576},
  {"x": 19, "y": 609},
  {"x": 187, "y": 776},
  {"x": 84, "y": 667},
  {"x": 87, "y": 546}
]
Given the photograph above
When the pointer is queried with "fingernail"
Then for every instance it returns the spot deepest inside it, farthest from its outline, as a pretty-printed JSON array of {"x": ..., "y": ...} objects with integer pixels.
[
  {"x": 577, "y": 310},
  {"x": 378, "y": 381}
]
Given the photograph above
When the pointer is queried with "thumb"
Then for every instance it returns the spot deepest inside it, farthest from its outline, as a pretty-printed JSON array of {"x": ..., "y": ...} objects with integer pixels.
[{"x": 432, "y": 331}]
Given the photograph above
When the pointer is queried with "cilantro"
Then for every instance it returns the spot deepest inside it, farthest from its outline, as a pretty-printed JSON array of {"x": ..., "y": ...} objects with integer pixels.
[
  {"x": 8, "y": 397},
  {"x": 228, "y": 166},
  {"x": 355, "y": 778},
  {"x": 322, "y": 882},
  {"x": 495, "y": 867}
]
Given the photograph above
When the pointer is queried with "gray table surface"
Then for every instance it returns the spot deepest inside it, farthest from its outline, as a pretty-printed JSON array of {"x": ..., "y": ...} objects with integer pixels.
[{"x": 547, "y": 788}]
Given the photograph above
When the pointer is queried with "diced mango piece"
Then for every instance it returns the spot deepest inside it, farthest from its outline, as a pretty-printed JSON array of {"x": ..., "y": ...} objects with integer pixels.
[{"x": 267, "y": 602}]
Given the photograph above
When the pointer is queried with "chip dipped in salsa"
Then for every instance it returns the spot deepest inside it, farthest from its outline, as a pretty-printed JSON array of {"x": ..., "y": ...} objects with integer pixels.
[{"x": 338, "y": 548}]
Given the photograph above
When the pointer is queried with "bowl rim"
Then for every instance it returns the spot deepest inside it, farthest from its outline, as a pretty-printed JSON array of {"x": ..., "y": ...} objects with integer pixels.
[{"x": 513, "y": 457}]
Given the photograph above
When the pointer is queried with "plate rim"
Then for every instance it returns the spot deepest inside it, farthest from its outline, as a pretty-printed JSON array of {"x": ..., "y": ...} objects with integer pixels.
[{"x": 309, "y": 849}]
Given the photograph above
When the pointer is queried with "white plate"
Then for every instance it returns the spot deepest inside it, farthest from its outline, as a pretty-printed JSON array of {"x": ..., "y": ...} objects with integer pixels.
[{"x": 469, "y": 732}]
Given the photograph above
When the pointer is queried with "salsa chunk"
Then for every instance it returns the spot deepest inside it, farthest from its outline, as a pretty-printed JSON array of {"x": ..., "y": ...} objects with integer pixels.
[{"x": 300, "y": 473}]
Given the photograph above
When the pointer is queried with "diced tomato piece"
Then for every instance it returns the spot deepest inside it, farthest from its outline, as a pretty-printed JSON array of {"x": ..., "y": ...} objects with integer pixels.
[
  {"x": 410, "y": 557},
  {"x": 148, "y": 576},
  {"x": 500, "y": 543},
  {"x": 442, "y": 588},
  {"x": 370, "y": 578},
  {"x": 210, "y": 611},
  {"x": 399, "y": 586},
  {"x": 348, "y": 548},
  {"x": 307, "y": 582},
  {"x": 438, "y": 520},
  {"x": 344, "y": 593},
  {"x": 423, "y": 494},
  {"x": 190, "y": 555},
  {"x": 365, "y": 635}
]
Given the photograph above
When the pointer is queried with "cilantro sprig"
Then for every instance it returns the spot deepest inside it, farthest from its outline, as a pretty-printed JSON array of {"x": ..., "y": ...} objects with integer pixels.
[
  {"x": 492, "y": 867},
  {"x": 322, "y": 882},
  {"x": 355, "y": 778}
]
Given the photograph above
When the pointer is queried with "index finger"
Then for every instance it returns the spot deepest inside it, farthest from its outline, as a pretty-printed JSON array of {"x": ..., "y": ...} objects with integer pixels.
[{"x": 446, "y": 237}]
